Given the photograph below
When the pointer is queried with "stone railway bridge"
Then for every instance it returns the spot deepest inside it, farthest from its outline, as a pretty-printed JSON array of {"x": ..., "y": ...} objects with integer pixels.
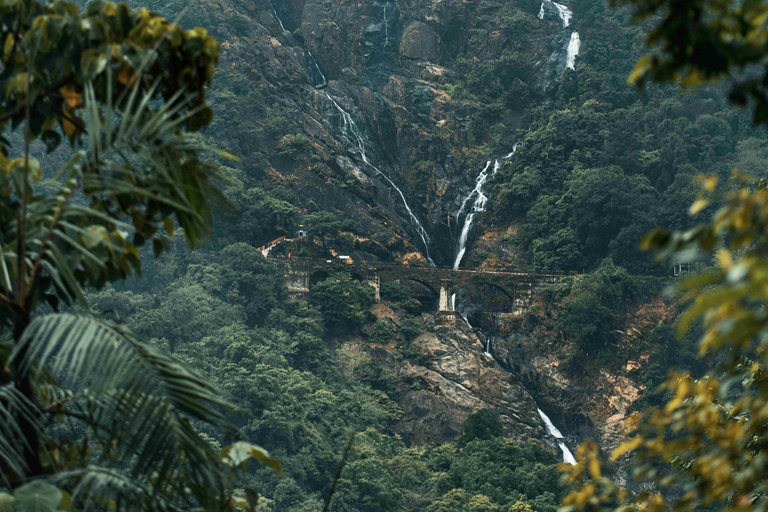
[{"x": 519, "y": 287}]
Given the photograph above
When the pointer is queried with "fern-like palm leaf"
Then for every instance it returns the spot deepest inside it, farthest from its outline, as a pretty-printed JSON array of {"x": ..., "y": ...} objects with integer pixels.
[{"x": 135, "y": 398}]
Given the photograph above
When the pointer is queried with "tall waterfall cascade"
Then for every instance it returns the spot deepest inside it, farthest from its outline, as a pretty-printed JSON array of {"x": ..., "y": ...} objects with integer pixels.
[
  {"x": 386, "y": 25},
  {"x": 315, "y": 71},
  {"x": 274, "y": 13},
  {"x": 350, "y": 127},
  {"x": 574, "y": 43},
  {"x": 477, "y": 206},
  {"x": 554, "y": 432}
]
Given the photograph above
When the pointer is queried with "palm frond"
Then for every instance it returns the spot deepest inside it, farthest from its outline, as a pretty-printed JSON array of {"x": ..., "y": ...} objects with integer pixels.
[
  {"x": 101, "y": 355},
  {"x": 13, "y": 407},
  {"x": 140, "y": 398},
  {"x": 96, "y": 486}
]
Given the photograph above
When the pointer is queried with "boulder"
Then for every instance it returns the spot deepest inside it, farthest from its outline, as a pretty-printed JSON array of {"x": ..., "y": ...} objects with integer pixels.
[{"x": 420, "y": 42}]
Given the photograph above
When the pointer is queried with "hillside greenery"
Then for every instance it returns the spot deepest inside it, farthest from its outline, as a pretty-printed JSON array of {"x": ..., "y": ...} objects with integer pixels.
[{"x": 598, "y": 165}]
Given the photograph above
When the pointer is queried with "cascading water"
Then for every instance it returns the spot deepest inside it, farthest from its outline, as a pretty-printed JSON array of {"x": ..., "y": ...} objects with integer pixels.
[
  {"x": 274, "y": 12},
  {"x": 574, "y": 43},
  {"x": 386, "y": 26},
  {"x": 349, "y": 126},
  {"x": 478, "y": 206},
  {"x": 563, "y": 12},
  {"x": 514, "y": 148},
  {"x": 554, "y": 432},
  {"x": 573, "y": 50},
  {"x": 313, "y": 68}
]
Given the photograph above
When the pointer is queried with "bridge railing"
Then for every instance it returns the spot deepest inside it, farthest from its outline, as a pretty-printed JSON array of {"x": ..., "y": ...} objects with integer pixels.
[{"x": 334, "y": 262}]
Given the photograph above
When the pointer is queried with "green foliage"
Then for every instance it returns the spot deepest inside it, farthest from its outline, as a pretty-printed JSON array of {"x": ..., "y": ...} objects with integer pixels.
[
  {"x": 410, "y": 328},
  {"x": 492, "y": 474},
  {"x": 735, "y": 34},
  {"x": 381, "y": 332},
  {"x": 293, "y": 145},
  {"x": 49, "y": 59},
  {"x": 588, "y": 312},
  {"x": 343, "y": 301},
  {"x": 703, "y": 448},
  {"x": 482, "y": 424},
  {"x": 85, "y": 406}
]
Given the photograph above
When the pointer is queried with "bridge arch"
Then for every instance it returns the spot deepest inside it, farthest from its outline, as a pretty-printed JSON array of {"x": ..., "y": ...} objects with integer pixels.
[
  {"x": 318, "y": 276},
  {"x": 485, "y": 295},
  {"x": 503, "y": 289}
]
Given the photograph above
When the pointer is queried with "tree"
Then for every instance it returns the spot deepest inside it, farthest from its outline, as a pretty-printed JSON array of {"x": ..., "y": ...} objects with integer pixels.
[
  {"x": 701, "y": 41},
  {"x": 482, "y": 424},
  {"x": 343, "y": 301},
  {"x": 127, "y": 89},
  {"x": 707, "y": 446}
]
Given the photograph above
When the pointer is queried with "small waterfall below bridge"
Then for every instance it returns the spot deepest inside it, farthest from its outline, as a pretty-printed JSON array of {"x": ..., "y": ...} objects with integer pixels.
[
  {"x": 553, "y": 431},
  {"x": 350, "y": 127}
]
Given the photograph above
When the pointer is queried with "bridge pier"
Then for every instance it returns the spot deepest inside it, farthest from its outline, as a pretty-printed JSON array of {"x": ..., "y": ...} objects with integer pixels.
[
  {"x": 375, "y": 281},
  {"x": 445, "y": 299}
]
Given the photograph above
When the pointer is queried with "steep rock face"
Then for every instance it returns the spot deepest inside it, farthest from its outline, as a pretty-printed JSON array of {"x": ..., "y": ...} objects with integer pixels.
[
  {"x": 391, "y": 65},
  {"x": 450, "y": 378}
]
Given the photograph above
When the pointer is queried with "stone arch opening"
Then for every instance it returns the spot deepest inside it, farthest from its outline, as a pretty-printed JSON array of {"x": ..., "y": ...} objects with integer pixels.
[
  {"x": 473, "y": 299},
  {"x": 405, "y": 290},
  {"x": 318, "y": 276}
]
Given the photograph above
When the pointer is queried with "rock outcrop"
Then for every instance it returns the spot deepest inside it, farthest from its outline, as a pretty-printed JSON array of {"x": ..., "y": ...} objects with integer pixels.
[{"x": 449, "y": 378}]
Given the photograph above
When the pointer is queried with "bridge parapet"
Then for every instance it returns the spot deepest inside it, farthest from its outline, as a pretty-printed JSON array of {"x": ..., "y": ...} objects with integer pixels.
[{"x": 518, "y": 286}]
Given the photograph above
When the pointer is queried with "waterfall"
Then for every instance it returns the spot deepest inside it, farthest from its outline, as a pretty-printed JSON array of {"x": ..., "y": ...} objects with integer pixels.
[
  {"x": 350, "y": 126},
  {"x": 554, "y": 432},
  {"x": 563, "y": 12},
  {"x": 488, "y": 346},
  {"x": 386, "y": 26},
  {"x": 274, "y": 12},
  {"x": 514, "y": 148},
  {"x": 313, "y": 68},
  {"x": 478, "y": 206},
  {"x": 565, "y": 15},
  {"x": 573, "y": 50}
]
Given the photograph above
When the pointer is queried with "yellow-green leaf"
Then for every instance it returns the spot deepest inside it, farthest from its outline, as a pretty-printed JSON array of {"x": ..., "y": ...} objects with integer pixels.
[
  {"x": 697, "y": 206},
  {"x": 626, "y": 446},
  {"x": 96, "y": 235},
  {"x": 169, "y": 225},
  {"x": 226, "y": 154},
  {"x": 641, "y": 68}
]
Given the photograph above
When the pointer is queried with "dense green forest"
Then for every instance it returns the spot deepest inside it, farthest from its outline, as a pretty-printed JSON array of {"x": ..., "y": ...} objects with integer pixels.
[{"x": 366, "y": 125}]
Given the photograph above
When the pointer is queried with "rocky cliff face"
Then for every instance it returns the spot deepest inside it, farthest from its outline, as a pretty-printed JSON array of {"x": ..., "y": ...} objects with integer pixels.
[
  {"x": 400, "y": 70},
  {"x": 447, "y": 378},
  {"x": 385, "y": 112}
]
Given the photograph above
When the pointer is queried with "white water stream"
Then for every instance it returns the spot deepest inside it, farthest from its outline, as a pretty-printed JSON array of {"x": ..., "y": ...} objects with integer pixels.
[
  {"x": 573, "y": 50},
  {"x": 554, "y": 432},
  {"x": 317, "y": 68},
  {"x": 563, "y": 12},
  {"x": 350, "y": 126},
  {"x": 386, "y": 26},
  {"x": 574, "y": 43}
]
